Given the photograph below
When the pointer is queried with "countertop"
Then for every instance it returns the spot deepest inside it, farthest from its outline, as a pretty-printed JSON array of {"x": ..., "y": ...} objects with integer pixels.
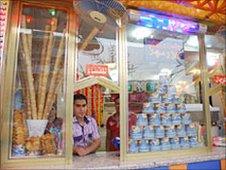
[{"x": 110, "y": 160}]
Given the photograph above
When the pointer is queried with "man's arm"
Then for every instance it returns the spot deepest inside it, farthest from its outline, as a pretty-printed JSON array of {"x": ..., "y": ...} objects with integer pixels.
[
  {"x": 94, "y": 146},
  {"x": 81, "y": 151},
  {"x": 96, "y": 138}
]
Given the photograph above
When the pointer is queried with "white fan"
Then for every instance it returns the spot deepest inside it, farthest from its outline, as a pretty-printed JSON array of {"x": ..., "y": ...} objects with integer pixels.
[{"x": 99, "y": 14}]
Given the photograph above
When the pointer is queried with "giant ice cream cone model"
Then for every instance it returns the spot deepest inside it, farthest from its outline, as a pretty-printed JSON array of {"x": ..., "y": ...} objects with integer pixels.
[
  {"x": 26, "y": 60},
  {"x": 40, "y": 80}
]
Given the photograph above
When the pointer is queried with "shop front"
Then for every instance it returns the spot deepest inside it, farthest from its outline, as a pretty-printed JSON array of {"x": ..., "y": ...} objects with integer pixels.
[{"x": 159, "y": 67}]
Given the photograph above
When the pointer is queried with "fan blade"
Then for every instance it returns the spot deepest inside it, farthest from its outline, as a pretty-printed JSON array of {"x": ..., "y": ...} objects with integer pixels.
[{"x": 100, "y": 13}]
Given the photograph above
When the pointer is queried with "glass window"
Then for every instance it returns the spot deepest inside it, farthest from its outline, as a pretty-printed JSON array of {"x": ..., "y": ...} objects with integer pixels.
[
  {"x": 97, "y": 75},
  {"x": 164, "y": 95},
  {"x": 38, "y": 111},
  {"x": 215, "y": 48},
  {"x": 97, "y": 55}
]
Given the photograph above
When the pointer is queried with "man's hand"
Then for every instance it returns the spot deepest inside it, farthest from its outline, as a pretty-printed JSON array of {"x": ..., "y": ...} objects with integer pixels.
[{"x": 80, "y": 151}]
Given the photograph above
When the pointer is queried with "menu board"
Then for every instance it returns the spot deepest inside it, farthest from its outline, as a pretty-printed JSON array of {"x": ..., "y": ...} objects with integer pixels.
[{"x": 4, "y": 4}]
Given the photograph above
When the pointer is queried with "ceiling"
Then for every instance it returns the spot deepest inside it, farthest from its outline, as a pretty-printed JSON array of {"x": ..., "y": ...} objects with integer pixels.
[{"x": 212, "y": 12}]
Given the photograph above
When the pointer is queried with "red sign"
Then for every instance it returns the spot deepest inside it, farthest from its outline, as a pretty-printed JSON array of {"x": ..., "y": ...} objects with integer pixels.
[
  {"x": 97, "y": 70},
  {"x": 219, "y": 79}
]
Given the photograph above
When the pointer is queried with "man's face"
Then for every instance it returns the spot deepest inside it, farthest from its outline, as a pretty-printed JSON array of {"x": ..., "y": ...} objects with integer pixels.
[{"x": 80, "y": 108}]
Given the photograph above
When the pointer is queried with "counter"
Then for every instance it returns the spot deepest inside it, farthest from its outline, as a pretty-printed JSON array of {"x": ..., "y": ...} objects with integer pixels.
[{"x": 109, "y": 160}]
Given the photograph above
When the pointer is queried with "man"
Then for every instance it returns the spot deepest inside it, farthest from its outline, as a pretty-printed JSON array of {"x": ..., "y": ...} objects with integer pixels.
[
  {"x": 85, "y": 131},
  {"x": 113, "y": 126}
]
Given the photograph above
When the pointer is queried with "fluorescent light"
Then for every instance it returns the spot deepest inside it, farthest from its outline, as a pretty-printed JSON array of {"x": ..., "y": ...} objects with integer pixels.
[
  {"x": 193, "y": 41},
  {"x": 212, "y": 58},
  {"x": 111, "y": 65},
  {"x": 114, "y": 75},
  {"x": 25, "y": 30},
  {"x": 208, "y": 45},
  {"x": 195, "y": 71},
  {"x": 166, "y": 71},
  {"x": 153, "y": 77},
  {"x": 141, "y": 32}
]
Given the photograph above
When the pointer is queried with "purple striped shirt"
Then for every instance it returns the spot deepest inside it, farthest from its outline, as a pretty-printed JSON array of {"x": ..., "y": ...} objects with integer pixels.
[{"x": 84, "y": 135}]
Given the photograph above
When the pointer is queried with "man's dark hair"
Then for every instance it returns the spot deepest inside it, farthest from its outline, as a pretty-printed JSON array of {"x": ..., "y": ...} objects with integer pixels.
[{"x": 80, "y": 97}]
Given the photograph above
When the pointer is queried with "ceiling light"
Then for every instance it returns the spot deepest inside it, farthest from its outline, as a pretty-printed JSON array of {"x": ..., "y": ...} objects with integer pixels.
[
  {"x": 141, "y": 32},
  {"x": 114, "y": 75},
  {"x": 193, "y": 41},
  {"x": 52, "y": 12},
  {"x": 212, "y": 58},
  {"x": 166, "y": 71},
  {"x": 111, "y": 65},
  {"x": 208, "y": 45},
  {"x": 195, "y": 71}
]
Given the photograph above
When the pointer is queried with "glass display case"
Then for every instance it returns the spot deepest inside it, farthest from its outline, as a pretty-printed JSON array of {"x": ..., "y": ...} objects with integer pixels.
[
  {"x": 97, "y": 73},
  {"x": 217, "y": 81},
  {"x": 162, "y": 88},
  {"x": 39, "y": 88},
  {"x": 154, "y": 63},
  {"x": 37, "y": 84}
]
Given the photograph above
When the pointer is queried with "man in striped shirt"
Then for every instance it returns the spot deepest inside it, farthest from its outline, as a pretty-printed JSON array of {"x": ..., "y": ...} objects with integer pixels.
[{"x": 85, "y": 131}]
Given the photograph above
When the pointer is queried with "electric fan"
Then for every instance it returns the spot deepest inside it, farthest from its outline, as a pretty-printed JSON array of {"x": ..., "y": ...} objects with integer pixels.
[{"x": 99, "y": 14}]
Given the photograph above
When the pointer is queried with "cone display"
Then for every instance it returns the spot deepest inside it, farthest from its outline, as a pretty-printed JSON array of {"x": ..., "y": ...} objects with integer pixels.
[
  {"x": 38, "y": 80},
  {"x": 38, "y": 94},
  {"x": 26, "y": 60},
  {"x": 55, "y": 76},
  {"x": 45, "y": 74}
]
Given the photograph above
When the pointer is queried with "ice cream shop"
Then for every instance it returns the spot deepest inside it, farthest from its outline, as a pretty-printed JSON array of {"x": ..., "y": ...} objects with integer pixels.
[{"x": 112, "y": 84}]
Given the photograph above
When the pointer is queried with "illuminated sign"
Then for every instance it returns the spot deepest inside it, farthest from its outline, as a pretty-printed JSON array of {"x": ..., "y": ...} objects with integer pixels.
[
  {"x": 97, "y": 70},
  {"x": 162, "y": 22}
]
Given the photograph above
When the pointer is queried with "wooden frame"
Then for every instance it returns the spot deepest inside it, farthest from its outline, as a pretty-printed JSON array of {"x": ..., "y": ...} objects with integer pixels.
[
  {"x": 10, "y": 68},
  {"x": 92, "y": 80},
  {"x": 124, "y": 155},
  {"x": 2, "y": 72}
]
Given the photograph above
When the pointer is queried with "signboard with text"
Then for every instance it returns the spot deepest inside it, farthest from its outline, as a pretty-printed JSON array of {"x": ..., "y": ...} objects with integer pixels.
[
  {"x": 219, "y": 79},
  {"x": 97, "y": 70}
]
